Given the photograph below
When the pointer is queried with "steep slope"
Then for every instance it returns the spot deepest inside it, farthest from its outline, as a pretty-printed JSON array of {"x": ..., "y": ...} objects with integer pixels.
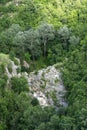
[{"x": 45, "y": 85}]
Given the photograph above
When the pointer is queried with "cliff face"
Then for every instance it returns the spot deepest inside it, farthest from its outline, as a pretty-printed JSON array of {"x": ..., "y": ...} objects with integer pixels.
[{"x": 45, "y": 85}]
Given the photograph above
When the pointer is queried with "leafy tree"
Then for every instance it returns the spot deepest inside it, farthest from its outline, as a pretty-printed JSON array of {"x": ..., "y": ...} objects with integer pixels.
[
  {"x": 28, "y": 41},
  {"x": 18, "y": 111},
  {"x": 66, "y": 123},
  {"x": 46, "y": 32},
  {"x": 27, "y": 57},
  {"x": 19, "y": 42},
  {"x": 4, "y": 1},
  {"x": 42, "y": 126},
  {"x": 6, "y": 37},
  {"x": 54, "y": 122},
  {"x": 19, "y": 84},
  {"x": 5, "y": 22},
  {"x": 64, "y": 35},
  {"x": 32, "y": 42},
  {"x": 55, "y": 54},
  {"x": 74, "y": 40},
  {"x": 35, "y": 102}
]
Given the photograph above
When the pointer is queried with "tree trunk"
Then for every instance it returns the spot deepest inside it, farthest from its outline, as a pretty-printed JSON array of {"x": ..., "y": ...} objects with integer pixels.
[{"x": 44, "y": 48}]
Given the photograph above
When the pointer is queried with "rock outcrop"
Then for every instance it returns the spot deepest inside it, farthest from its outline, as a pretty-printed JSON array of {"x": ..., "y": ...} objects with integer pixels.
[{"x": 45, "y": 85}]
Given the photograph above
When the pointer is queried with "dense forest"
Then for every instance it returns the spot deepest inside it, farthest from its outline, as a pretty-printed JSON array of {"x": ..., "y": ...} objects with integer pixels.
[{"x": 43, "y": 33}]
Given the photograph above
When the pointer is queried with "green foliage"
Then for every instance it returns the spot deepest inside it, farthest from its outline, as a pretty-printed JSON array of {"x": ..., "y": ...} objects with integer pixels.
[
  {"x": 67, "y": 123},
  {"x": 35, "y": 102},
  {"x": 28, "y": 40},
  {"x": 4, "y": 59},
  {"x": 4, "y": 22},
  {"x": 43, "y": 32},
  {"x": 6, "y": 38},
  {"x": 9, "y": 67},
  {"x": 4, "y": 1},
  {"x": 54, "y": 97},
  {"x": 42, "y": 126},
  {"x": 3, "y": 79},
  {"x": 55, "y": 54},
  {"x": 27, "y": 57},
  {"x": 19, "y": 84},
  {"x": 16, "y": 62},
  {"x": 64, "y": 34},
  {"x": 46, "y": 32},
  {"x": 11, "y": 55}
]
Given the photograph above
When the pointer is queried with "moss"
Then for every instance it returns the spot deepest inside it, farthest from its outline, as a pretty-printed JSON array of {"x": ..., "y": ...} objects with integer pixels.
[
  {"x": 2, "y": 69},
  {"x": 36, "y": 72},
  {"x": 47, "y": 94},
  {"x": 35, "y": 102},
  {"x": 53, "y": 96},
  {"x": 4, "y": 59},
  {"x": 48, "y": 70},
  {"x": 43, "y": 86},
  {"x": 16, "y": 61},
  {"x": 9, "y": 67},
  {"x": 58, "y": 65},
  {"x": 43, "y": 79},
  {"x": 56, "y": 80},
  {"x": 18, "y": 69},
  {"x": 43, "y": 74}
]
